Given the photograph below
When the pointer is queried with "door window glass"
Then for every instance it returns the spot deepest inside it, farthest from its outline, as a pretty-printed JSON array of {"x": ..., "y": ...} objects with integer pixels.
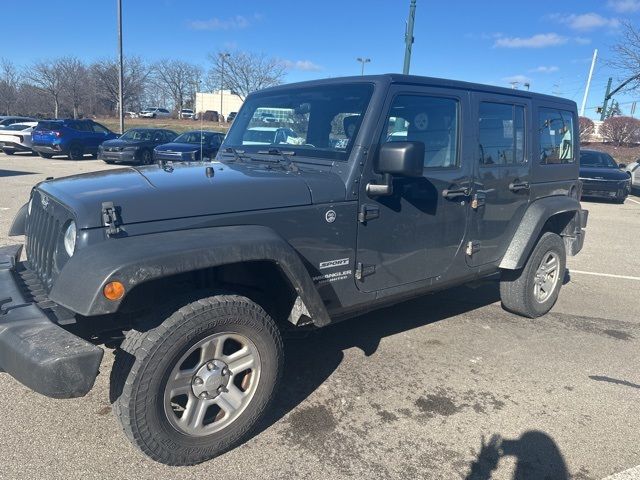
[
  {"x": 99, "y": 128},
  {"x": 556, "y": 136},
  {"x": 430, "y": 120},
  {"x": 501, "y": 134}
]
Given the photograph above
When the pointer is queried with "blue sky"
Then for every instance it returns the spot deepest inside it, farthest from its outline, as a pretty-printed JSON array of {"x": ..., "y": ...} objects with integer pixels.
[{"x": 547, "y": 43}]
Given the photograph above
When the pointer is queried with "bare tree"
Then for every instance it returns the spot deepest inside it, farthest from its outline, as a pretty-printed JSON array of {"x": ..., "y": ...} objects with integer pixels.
[
  {"x": 626, "y": 54},
  {"x": 47, "y": 76},
  {"x": 74, "y": 82},
  {"x": 587, "y": 128},
  {"x": 621, "y": 130},
  {"x": 177, "y": 78},
  {"x": 9, "y": 83},
  {"x": 105, "y": 77},
  {"x": 245, "y": 72}
]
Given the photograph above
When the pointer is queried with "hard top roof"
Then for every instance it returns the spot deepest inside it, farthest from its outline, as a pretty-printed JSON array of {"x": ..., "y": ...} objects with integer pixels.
[{"x": 398, "y": 78}]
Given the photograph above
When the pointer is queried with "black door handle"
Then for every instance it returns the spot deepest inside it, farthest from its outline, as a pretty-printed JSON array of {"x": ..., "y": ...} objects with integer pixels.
[
  {"x": 517, "y": 186},
  {"x": 455, "y": 193}
]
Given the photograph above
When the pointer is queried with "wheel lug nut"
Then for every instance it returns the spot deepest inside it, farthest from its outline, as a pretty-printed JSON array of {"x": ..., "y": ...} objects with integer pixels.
[
  {"x": 198, "y": 381},
  {"x": 211, "y": 366},
  {"x": 222, "y": 389},
  {"x": 204, "y": 395},
  {"x": 225, "y": 371}
]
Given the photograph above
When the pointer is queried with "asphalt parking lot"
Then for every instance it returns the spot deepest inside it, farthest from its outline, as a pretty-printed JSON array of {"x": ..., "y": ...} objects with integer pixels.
[{"x": 420, "y": 390}]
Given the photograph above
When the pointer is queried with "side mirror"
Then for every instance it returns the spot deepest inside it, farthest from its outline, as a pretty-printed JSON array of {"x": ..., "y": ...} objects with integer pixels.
[
  {"x": 622, "y": 165},
  {"x": 401, "y": 159}
]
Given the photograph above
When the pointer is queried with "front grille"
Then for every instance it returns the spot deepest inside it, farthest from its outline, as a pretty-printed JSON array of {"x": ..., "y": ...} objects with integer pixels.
[{"x": 43, "y": 230}]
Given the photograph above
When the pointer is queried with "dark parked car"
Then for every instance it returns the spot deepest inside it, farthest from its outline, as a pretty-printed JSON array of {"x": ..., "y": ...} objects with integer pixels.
[
  {"x": 135, "y": 145},
  {"x": 189, "y": 146},
  {"x": 193, "y": 271},
  {"x": 9, "y": 120},
  {"x": 602, "y": 177},
  {"x": 73, "y": 138},
  {"x": 210, "y": 116},
  {"x": 231, "y": 117}
]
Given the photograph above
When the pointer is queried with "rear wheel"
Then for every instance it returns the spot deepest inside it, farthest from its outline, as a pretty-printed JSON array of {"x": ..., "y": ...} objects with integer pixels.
[
  {"x": 533, "y": 290},
  {"x": 76, "y": 152},
  {"x": 197, "y": 384},
  {"x": 45, "y": 155}
]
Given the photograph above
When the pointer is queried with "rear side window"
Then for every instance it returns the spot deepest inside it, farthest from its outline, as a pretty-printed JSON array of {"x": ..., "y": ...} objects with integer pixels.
[
  {"x": 501, "y": 134},
  {"x": 556, "y": 136},
  {"x": 49, "y": 126},
  {"x": 99, "y": 128},
  {"x": 430, "y": 120}
]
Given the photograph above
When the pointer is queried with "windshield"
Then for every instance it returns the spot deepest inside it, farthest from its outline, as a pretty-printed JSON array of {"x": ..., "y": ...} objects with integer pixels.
[
  {"x": 597, "y": 160},
  {"x": 318, "y": 122},
  {"x": 194, "y": 137},
  {"x": 138, "y": 135}
]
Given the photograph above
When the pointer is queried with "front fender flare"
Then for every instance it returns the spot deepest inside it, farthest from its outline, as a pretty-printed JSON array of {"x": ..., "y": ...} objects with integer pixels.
[
  {"x": 139, "y": 259},
  {"x": 531, "y": 225},
  {"x": 18, "y": 226}
]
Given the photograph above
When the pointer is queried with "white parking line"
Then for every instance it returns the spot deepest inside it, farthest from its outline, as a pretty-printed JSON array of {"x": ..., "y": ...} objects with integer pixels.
[
  {"x": 630, "y": 474},
  {"x": 632, "y": 200},
  {"x": 610, "y": 275}
]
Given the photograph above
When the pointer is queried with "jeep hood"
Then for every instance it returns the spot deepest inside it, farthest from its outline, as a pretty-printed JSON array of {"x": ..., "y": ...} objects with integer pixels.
[{"x": 185, "y": 190}]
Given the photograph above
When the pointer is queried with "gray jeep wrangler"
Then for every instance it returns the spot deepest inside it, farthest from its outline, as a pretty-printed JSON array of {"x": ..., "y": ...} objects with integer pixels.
[{"x": 362, "y": 193}]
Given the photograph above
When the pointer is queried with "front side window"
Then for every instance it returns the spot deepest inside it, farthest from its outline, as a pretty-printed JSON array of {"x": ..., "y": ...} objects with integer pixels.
[
  {"x": 556, "y": 136},
  {"x": 430, "y": 120},
  {"x": 317, "y": 121},
  {"x": 501, "y": 134}
]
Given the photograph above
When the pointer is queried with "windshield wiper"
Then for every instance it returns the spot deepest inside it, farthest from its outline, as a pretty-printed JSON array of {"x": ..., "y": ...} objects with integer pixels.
[
  {"x": 238, "y": 155},
  {"x": 285, "y": 155}
]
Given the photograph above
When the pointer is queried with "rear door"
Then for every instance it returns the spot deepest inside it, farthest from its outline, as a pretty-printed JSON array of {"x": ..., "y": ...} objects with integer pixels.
[
  {"x": 503, "y": 162},
  {"x": 416, "y": 233}
]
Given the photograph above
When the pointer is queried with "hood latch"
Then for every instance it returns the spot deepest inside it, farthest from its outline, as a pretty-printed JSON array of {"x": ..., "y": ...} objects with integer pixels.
[{"x": 111, "y": 218}]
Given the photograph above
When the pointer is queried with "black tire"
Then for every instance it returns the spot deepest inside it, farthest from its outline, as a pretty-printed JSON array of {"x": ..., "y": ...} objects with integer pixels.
[
  {"x": 110, "y": 162},
  {"x": 146, "y": 359},
  {"x": 146, "y": 157},
  {"x": 621, "y": 196},
  {"x": 94, "y": 156},
  {"x": 518, "y": 287},
  {"x": 76, "y": 152},
  {"x": 45, "y": 155},
  {"x": 8, "y": 151}
]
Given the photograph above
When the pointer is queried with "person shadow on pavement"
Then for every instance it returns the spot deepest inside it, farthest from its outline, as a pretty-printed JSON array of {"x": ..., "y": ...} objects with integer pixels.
[{"x": 537, "y": 457}]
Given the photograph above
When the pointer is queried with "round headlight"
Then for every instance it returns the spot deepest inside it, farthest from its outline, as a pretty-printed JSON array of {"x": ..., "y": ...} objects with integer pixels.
[{"x": 70, "y": 239}]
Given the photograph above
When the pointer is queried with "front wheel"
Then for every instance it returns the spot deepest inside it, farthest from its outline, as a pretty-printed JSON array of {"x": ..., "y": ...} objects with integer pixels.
[
  {"x": 533, "y": 290},
  {"x": 76, "y": 152},
  {"x": 197, "y": 384},
  {"x": 146, "y": 158}
]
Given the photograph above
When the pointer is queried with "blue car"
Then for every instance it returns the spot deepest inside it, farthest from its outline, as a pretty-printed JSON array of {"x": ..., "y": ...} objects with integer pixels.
[
  {"x": 188, "y": 147},
  {"x": 73, "y": 138}
]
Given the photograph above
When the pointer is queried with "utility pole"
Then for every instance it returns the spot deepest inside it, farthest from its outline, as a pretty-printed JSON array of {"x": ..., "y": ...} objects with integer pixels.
[
  {"x": 222, "y": 58},
  {"x": 610, "y": 93},
  {"x": 586, "y": 90},
  {"x": 363, "y": 60},
  {"x": 408, "y": 37},
  {"x": 120, "y": 68}
]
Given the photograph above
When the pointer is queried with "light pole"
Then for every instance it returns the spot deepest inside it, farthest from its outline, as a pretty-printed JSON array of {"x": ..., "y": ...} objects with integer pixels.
[
  {"x": 223, "y": 56},
  {"x": 363, "y": 60},
  {"x": 120, "y": 68},
  {"x": 408, "y": 37}
]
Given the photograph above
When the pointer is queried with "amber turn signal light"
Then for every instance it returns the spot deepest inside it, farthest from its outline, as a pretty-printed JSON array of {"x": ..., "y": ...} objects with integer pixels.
[{"x": 113, "y": 290}]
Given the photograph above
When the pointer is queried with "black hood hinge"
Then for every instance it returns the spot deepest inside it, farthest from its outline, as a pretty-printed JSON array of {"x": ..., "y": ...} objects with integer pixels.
[{"x": 111, "y": 218}]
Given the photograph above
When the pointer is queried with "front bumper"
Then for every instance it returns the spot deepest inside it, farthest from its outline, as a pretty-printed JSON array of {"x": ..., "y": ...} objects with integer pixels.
[
  {"x": 173, "y": 156},
  {"x": 33, "y": 349},
  {"x": 121, "y": 156},
  {"x": 604, "y": 189}
]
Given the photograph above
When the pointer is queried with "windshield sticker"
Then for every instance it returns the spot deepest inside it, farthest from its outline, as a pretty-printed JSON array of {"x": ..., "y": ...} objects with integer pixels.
[{"x": 334, "y": 263}]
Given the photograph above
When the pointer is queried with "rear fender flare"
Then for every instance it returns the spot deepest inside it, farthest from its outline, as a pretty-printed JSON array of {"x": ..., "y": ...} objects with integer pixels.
[
  {"x": 139, "y": 259},
  {"x": 533, "y": 221}
]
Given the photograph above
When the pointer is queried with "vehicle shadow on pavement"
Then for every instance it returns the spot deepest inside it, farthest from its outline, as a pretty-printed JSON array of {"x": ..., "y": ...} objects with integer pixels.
[
  {"x": 13, "y": 173},
  {"x": 312, "y": 360},
  {"x": 537, "y": 456}
]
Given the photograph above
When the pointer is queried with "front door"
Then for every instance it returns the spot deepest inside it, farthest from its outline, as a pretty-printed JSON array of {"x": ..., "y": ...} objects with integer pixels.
[
  {"x": 415, "y": 233},
  {"x": 503, "y": 161}
]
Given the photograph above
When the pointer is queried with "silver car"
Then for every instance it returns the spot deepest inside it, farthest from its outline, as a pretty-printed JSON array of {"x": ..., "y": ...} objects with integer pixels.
[{"x": 633, "y": 169}]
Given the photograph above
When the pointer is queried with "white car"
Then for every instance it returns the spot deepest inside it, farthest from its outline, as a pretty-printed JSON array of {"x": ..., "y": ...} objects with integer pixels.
[
  {"x": 17, "y": 137},
  {"x": 187, "y": 114},
  {"x": 633, "y": 169},
  {"x": 270, "y": 136},
  {"x": 155, "y": 112}
]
